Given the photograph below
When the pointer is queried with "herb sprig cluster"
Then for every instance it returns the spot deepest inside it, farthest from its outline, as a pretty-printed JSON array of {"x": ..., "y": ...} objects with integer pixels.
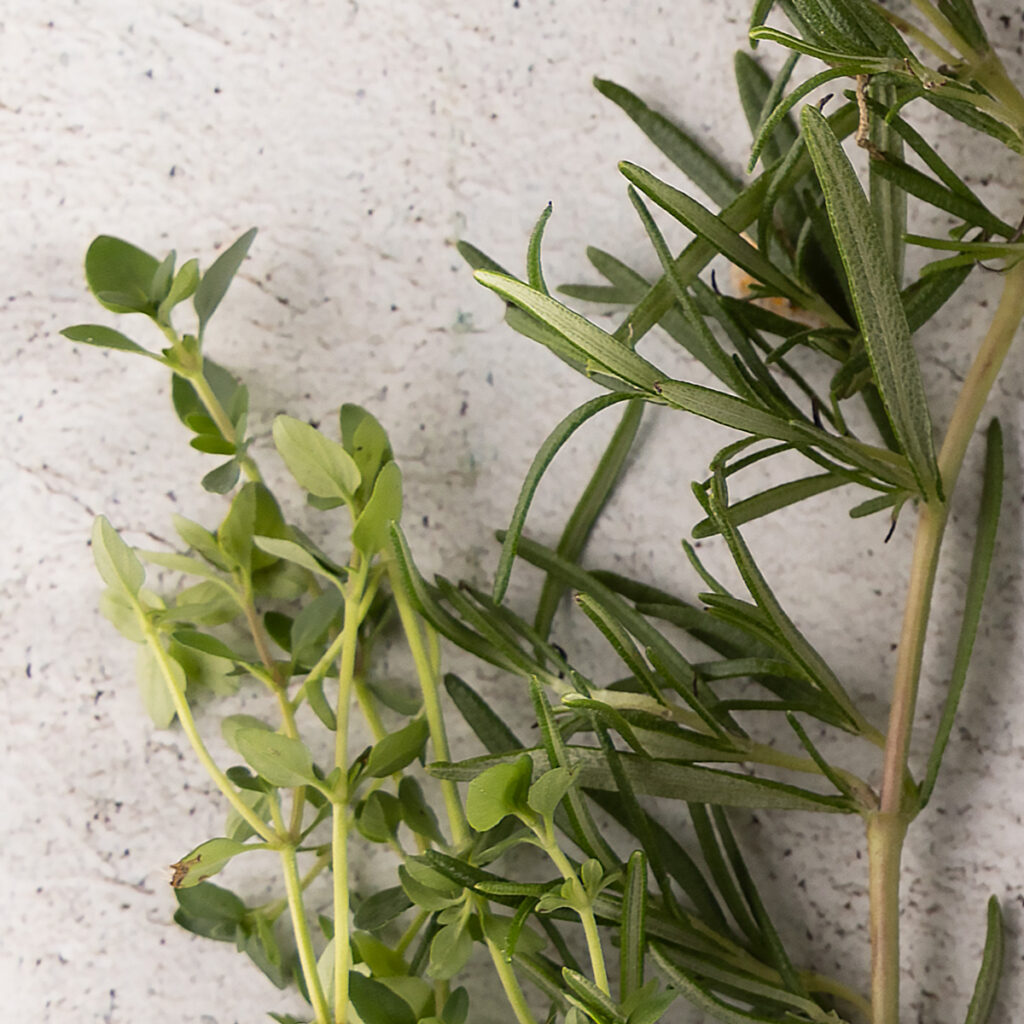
[{"x": 617, "y": 933}]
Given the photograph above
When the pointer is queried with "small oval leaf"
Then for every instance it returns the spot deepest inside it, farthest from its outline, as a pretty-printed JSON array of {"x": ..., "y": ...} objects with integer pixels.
[
  {"x": 204, "y": 861},
  {"x": 281, "y": 760}
]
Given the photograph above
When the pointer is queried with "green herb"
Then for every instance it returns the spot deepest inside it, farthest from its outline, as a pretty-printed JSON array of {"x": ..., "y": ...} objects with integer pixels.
[{"x": 612, "y": 932}]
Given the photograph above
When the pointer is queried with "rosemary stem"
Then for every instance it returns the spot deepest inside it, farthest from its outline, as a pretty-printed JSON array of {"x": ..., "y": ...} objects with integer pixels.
[
  {"x": 307, "y": 958},
  {"x": 829, "y": 986},
  {"x": 909, "y": 29},
  {"x": 887, "y": 829},
  {"x": 885, "y": 847},
  {"x": 930, "y": 527},
  {"x": 939, "y": 21}
]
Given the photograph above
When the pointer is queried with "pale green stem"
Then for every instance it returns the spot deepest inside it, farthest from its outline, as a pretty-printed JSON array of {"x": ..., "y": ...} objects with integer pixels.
[
  {"x": 931, "y": 525},
  {"x": 426, "y": 669},
  {"x": 939, "y": 21},
  {"x": 188, "y": 725},
  {"x": 191, "y": 368},
  {"x": 339, "y": 867},
  {"x": 509, "y": 982},
  {"x": 585, "y": 910},
  {"x": 507, "y": 977},
  {"x": 320, "y": 669},
  {"x": 275, "y": 812},
  {"x": 368, "y": 707},
  {"x": 886, "y": 830},
  {"x": 260, "y": 639},
  {"x": 924, "y": 562},
  {"x": 990, "y": 72},
  {"x": 829, "y": 986},
  {"x": 323, "y": 666},
  {"x": 222, "y": 420},
  {"x": 272, "y": 911},
  {"x": 213, "y": 406},
  {"x": 339, "y": 803},
  {"x": 986, "y": 69},
  {"x": 909, "y": 29},
  {"x": 761, "y": 753},
  {"x": 885, "y": 845},
  {"x": 413, "y": 930},
  {"x": 303, "y": 942}
]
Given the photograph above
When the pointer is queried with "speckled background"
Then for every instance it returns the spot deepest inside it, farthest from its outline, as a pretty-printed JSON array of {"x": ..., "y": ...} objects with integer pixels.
[{"x": 362, "y": 139}]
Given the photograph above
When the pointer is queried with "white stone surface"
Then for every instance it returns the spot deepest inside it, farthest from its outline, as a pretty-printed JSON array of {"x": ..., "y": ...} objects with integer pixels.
[{"x": 363, "y": 138}]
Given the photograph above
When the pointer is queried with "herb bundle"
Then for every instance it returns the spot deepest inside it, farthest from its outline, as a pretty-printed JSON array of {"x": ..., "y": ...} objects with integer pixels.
[{"x": 816, "y": 360}]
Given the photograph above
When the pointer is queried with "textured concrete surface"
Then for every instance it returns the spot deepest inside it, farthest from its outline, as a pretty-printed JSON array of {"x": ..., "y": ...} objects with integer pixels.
[{"x": 363, "y": 139}]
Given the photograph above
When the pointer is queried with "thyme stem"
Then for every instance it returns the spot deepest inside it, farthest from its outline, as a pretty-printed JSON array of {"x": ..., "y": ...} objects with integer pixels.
[
  {"x": 507, "y": 977},
  {"x": 188, "y": 725},
  {"x": 307, "y": 958},
  {"x": 426, "y": 669},
  {"x": 340, "y": 798},
  {"x": 585, "y": 910}
]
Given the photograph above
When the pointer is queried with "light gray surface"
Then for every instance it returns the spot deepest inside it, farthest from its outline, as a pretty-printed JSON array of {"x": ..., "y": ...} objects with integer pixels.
[{"x": 362, "y": 139}]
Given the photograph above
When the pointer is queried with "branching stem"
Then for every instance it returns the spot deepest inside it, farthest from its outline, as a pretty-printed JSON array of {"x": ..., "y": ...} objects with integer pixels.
[
  {"x": 586, "y": 912},
  {"x": 189, "y": 365},
  {"x": 188, "y": 725},
  {"x": 887, "y": 829}
]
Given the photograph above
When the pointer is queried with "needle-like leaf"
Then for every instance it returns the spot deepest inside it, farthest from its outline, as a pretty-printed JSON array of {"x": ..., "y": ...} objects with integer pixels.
[
  {"x": 876, "y": 298},
  {"x": 703, "y": 169},
  {"x": 548, "y": 450},
  {"x": 987, "y": 985},
  {"x": 595, "y": 496},
  {"x": 977, "y": 583},
  {"x": 690, "y": 783}
]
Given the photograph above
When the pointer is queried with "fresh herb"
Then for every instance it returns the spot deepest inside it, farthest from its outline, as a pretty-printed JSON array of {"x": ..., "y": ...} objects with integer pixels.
[{"x": 612, "y": 932}]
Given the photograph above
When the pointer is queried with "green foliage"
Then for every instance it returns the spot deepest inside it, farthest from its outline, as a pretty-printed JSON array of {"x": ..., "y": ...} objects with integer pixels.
[
  {"x": 321, "y": 466},
  {"x": 280, "y": 760},
  {"x": 116, "y": 562},
  {"x": 205, "y": 860},
  {"x": 122, "y": 276},
  {"x": 212, "y": 286},
  {"x": 690, "y": 710},
  {"x": 398, "y": 749},
  {"x": 987, "y": 985},
  {"x": 498, "y": 791}
]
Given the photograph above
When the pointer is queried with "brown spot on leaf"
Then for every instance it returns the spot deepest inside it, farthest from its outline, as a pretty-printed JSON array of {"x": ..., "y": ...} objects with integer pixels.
[{"x": 181, "y": 870}]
